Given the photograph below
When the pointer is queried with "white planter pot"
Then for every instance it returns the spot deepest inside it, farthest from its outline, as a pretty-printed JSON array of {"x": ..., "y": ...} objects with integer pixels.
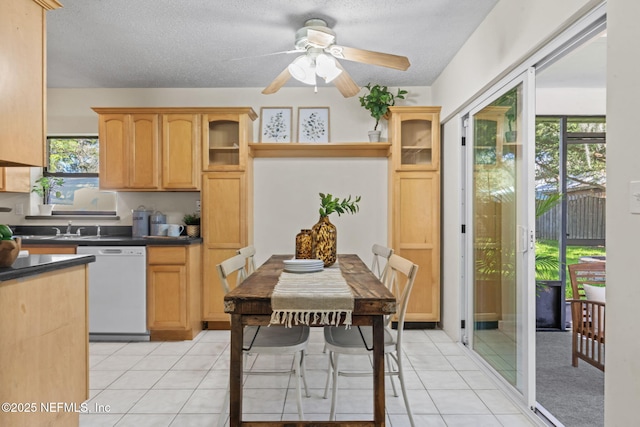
[
  {"x": 45, "y": 209},
  {"x": 374, "y": 136}
]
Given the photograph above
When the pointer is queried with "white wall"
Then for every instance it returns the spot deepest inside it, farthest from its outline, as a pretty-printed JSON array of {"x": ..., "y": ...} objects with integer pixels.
[
  {"x": 69, "y": 113},
  {"x": 622, "y": 378},
  {"x": 286, "y": 200},
  {"x": 509, "y": 34},
  {"x": 576, "y": 101}
]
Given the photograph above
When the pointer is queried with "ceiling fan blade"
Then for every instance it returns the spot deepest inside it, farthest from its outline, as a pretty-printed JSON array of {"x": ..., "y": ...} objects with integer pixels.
[
  {"x": 345, "y": 83},
  {"x": 320, "y": 38},
  {"x": 267, "y": 54},
  {"x": 278, "y": 82},
  {"x": 370, "y": 57}
]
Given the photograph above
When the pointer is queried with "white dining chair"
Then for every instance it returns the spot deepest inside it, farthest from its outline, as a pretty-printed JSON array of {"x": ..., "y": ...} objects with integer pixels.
[
  {"x": 274, "y": 340},
  {"x": 359, "y": 340},
  {"x": 248, "y": 252},
  {"x": 380, "y": 261}
]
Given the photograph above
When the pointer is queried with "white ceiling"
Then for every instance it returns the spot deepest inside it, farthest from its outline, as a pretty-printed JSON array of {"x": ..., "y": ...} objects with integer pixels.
[{"x": 217, "y": 43}]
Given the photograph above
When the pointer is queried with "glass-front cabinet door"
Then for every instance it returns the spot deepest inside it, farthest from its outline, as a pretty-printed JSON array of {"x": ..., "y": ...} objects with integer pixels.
[
  {"x": 225, "y": 139},
  {"x": 417, "y": 129}
]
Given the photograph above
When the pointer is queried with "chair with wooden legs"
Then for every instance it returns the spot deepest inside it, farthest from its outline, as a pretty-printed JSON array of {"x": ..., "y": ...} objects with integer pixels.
[
  {"x": 380, "y": 261},
  {"x": 359, "y": 340},
  {"x": 274, "y": 340}
]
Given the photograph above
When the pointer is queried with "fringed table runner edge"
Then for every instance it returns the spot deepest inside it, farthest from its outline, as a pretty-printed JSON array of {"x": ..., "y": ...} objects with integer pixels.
[{"x": 320, "y": 298}]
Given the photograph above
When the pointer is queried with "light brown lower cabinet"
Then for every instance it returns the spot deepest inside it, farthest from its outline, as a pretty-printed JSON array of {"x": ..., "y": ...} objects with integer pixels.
[
  {"x": 174, "y": 284},
  {"x": 44, "y": 356}
]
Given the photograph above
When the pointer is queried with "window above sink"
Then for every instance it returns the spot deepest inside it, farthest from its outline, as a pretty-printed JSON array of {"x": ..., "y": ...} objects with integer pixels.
[{"x": 75, "y": 159}]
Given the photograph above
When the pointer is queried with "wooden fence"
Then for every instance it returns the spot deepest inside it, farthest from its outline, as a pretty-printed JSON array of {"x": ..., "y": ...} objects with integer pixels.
[{"x": 585, "y": 224}]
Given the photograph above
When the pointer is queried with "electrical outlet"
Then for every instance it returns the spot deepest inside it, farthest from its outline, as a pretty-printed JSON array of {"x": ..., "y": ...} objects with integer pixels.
[
  {"x": 19, "y": 209},
  {"x": 634, "y": 197},
  {"x": 198, "y": 206}
]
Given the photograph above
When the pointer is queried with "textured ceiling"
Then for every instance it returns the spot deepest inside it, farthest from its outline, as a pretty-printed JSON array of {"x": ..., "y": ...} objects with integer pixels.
[{"x": 216, "y": 43}]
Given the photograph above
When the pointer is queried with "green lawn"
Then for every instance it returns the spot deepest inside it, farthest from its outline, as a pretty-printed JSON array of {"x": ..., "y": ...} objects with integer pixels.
[{"x": 549, "y": 248}]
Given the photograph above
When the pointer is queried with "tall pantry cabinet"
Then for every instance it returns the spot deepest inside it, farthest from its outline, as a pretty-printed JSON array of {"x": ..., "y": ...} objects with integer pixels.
[
  {"x": 414, "y": 203},
  {"x": 227, "y": 200}
]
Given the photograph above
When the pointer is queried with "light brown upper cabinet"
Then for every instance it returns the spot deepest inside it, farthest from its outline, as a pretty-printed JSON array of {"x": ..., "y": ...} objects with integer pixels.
[
  {"x": 23, "y": 91},
  {"x": 129, "y": 147},
  {"x": 15, "y": 179},
  {"x": 181, "y": 151},
  {"x": 225, "y": 139},
  {"x": 414, "y": 197},
  {"x": 149, "y": 149},
  {"x": 415, "y": 136}
]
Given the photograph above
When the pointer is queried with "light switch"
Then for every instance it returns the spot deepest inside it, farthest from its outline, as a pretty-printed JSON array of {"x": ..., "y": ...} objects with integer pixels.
[{"x": 634, "y": 197}]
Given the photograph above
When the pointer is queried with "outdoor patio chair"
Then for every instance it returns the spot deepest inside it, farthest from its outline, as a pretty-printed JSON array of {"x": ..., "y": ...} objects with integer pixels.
[{"x": 587, "y": 313}]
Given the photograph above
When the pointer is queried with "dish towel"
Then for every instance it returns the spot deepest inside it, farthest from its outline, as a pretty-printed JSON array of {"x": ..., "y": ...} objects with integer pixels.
[{"x": 320, "y": 298}]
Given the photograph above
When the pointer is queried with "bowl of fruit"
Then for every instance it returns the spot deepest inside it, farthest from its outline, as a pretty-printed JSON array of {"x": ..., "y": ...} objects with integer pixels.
[{"x": 9, "y": 246}]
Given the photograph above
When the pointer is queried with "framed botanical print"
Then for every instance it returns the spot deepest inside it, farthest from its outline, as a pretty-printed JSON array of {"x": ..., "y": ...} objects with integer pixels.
[
  {"x": 313, "y": 124},
  {"x": 275, "y": 124}
]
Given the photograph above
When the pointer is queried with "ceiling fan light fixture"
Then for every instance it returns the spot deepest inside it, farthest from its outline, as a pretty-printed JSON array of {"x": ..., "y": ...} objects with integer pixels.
[
  {"x": 326, "y": 67},
  {"x": 303, "y": 70}
]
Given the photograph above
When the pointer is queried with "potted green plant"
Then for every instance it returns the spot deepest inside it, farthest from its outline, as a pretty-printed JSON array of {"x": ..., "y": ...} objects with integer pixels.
[
  {"x": 45, "y": 187},
  {"x": 324, "y": 236},
  {"x": 192, "y": 221},
  {"x": 377, "y": 102},
  {"x": 510, "y": 99}
]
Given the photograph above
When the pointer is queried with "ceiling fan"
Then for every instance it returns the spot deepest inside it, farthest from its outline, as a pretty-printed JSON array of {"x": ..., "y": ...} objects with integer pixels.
[{"x": 317, "y": 43}]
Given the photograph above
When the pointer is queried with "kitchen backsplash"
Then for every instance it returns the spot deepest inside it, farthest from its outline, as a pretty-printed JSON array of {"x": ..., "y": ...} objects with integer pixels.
[{"x": 173, "y": 204}]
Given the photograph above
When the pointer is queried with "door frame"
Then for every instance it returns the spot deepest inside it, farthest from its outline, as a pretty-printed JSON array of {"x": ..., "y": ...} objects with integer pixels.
[
  {"x": 525, "y": 284},
  {"x": 550, "y": 51}
]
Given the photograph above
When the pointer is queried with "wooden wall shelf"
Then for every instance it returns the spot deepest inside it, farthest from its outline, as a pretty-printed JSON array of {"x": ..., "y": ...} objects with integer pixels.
[{"x": 335, "y": 149}]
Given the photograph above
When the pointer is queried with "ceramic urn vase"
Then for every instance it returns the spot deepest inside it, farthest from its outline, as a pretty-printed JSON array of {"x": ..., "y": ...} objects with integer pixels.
[{"x": 324, "y": 240}]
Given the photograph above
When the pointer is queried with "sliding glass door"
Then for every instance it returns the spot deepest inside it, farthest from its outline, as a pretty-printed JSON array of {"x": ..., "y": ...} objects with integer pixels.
[{"x": 500, "y": 234}]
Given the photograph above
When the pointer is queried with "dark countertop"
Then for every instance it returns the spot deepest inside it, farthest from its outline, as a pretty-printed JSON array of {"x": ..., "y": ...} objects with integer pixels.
[
  {"x": 37, "y": 264},
  {"x": 109, "y": 240}
]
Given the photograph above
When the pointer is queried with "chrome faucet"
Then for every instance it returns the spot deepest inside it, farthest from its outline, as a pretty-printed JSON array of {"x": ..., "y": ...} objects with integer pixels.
[
  {"x": 68, "y": 233},
  {"x": 98, "y": 230},
  {"x": 57, "y": 230},
  {"x": 78, "y": 231}
]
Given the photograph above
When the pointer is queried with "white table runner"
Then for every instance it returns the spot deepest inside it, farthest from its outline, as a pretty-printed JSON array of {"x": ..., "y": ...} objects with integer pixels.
[{"x": 320, "y": 298}]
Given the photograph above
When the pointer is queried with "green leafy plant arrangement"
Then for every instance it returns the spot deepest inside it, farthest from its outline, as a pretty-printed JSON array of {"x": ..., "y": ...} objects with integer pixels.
[
  {"x": 5, "y": 232},
  {"x": 191, "y": 219},
  {"x": 378, "y": 101},
  {"x": 46, "y": 186},
  {"x": 330, "y": 204}
]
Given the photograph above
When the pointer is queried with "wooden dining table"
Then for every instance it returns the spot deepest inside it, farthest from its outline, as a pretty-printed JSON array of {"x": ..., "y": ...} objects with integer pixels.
[{"x": 250, "y": 304}]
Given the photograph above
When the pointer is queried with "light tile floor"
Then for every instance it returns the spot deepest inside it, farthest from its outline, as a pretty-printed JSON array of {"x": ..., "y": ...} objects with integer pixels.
[{"x": 184, "y": 383}]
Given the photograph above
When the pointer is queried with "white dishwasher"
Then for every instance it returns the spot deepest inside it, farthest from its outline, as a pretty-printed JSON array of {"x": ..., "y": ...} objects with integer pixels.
[{"x": 117, "y": 293}]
